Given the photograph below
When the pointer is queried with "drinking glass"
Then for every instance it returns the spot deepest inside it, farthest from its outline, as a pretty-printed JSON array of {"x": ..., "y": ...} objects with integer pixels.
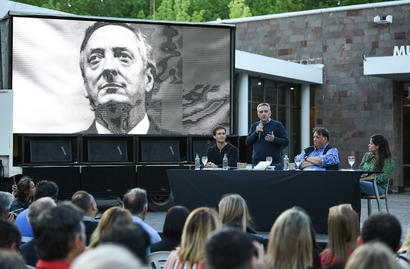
[
  {"x": 351, "y": 160},
  {"x": 269, "y": 159},
  {"x": 204, "y": 160},
  {"x": 297, "y": 163}
]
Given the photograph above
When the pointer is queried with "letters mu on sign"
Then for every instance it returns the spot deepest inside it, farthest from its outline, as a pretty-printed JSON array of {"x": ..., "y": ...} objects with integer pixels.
[{"x": 401, "y": 50}]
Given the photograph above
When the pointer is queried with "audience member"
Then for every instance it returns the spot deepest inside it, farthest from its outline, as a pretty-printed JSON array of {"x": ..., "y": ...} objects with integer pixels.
[
  {"x": 405, "y": 249},
  {"x": 59, "y": 236},
  {"x": 28, "y": 250},
  {"x": 234, "y": 212},
  {"x": 10, "y": 236},
  {"x": 130, "y": 236},
  {"x": 385, "y": 228},
  {"x": 377, "y": 159},
  {"x": 6, "y": 199},
  {"x": 11, "y": 260},
  {"x": 172, "y": 231},
  {"x": 137, "y": 203},
  {"x": 191, "y": 253},
  {"x": 316, "y": 250},
  {"x": 343, "y": 230},
  {"x": 44, "y": 188},
  {"x": 24, "y": 194},
  {"x": 231, "y": 248},
  {"x": 290, "y": 241},
  {"x": 86, "y": 202},
  {"x": 372, "y": 256},
  {"x": 107, "y": 256},
  {"x": 114, "y": 215}
]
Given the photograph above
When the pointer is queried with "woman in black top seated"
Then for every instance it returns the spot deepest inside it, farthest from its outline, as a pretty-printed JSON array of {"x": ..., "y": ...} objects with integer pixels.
[
  {"x": 233, "y": 212},
  {"x": 172, "y": 231},
  {"x": 24, "y": 194}
]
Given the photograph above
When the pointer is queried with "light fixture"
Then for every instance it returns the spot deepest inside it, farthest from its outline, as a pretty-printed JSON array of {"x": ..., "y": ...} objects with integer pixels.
[
  {"x": 383, "y": 20},
  {"x": 259, "y": 82},
  {"x": 291, "y": 88}
]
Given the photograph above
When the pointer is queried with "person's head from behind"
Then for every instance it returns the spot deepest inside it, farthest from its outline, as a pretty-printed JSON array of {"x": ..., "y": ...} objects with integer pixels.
[
  {"x": 130, "y": 236},
  {"x": 37, "y": 207},
  {"x": 320, "y": 137},
  {"x": 107, "y": 256},
  {"x": 6, "y": 199},
  {"x": 379, "y": 146},
  {"x": 233, "y": 209},
  {"x": 11, "y": 260},
  {"x": 229, "y": 248},
  {"x": 174, "y": 221},
  {"x": 343, "y": 229},
  {"x": 86, "y": 202},
  {"x": 290, "y": 241},
  {"x": 374, "y": 255},
  {"x": 382, "y": 227},
  {"x": 25, "y": 189},
  {"x": 45, "y": 188},
  {"x": 59, "y": 233},
  {"x": 10, "y": 236},
  {"x": 112, "y": 216},
  {"x": 116, "y": 65},
  {"x": 198, "y": 225},
  {"x": 135, "y": 200}
]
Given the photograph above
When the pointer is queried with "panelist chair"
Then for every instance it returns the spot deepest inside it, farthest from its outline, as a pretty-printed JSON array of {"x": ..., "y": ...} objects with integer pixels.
[
  {"x": 158, "y": 259},
  {"x": 376, "y": 197}
]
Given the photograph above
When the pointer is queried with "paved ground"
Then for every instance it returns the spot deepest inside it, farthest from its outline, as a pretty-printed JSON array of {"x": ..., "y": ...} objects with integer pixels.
[{"x": 399, "y": 205}]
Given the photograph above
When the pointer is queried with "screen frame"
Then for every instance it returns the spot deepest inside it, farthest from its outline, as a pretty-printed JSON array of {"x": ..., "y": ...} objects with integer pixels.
[{"x": 8, "y": 74}]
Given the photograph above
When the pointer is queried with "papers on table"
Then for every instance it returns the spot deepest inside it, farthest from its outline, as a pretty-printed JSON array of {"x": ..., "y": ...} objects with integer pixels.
[{"x": 262, "y": 165}]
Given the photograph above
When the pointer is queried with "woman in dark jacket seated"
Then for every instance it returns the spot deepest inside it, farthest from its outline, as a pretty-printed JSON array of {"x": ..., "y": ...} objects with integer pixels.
[
  {"x": 24, "y": 194},
  {"x": 172, "y": 231}
]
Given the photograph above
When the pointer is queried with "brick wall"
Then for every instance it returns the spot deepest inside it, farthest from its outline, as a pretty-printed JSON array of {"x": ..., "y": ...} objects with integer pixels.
[{"x": 350, "y": 105}]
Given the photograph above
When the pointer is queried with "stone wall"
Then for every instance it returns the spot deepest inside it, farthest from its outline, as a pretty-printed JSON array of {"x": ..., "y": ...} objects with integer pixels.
[{"x": 352, "y": 106}]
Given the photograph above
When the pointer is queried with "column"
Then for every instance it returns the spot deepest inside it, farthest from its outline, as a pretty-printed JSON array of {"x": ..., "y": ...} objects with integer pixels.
[
  {"x": 242, "y": 115},
  {"x": 305, "y": 117}
]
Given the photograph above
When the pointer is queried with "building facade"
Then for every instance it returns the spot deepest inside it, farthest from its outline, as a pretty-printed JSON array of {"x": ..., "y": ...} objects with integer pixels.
[{"x": 351, "y": 104}]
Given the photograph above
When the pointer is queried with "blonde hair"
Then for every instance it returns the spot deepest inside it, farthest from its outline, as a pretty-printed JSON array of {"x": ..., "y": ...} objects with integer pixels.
[
  {"x": 233, "y": 208},
  {"x": 114, "y": 215},
  {"x": 406, "y": 244},
  {"x": 198, "y": 225},
  {"x": 372, "y": 255},
  {"x": 290, "y": 241},
  {"x": 343, "y": 228}
]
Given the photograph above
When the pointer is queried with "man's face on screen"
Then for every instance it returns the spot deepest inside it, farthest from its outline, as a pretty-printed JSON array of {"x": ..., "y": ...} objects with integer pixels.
[{"x": 113, "y": 69}]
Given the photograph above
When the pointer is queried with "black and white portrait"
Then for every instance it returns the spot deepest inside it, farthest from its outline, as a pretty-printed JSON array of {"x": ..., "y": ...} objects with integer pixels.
[{"x": 109, "y": 77}]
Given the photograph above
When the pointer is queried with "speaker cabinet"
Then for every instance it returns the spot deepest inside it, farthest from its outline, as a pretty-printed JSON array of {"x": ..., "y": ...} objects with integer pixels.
[
  {"x": 154, "y": 179},
  {"x": 113, "y": 180},
  {"x": 47, "y": 149},
  {"x": 168, "y": 149},
  {"x": 68, "y": 179},
  {"x": 108, "y": 149},
  {"x": 200, "y": 145}
]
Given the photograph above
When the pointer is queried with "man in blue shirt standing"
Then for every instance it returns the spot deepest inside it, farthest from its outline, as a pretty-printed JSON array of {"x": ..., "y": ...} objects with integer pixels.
[
  {"x": 321, "y": 156},
  {"x": 268, "y": 137}
]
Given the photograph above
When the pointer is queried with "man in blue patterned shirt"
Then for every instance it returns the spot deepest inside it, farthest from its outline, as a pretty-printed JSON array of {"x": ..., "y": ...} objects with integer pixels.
[{"x": 321, "y": 156}]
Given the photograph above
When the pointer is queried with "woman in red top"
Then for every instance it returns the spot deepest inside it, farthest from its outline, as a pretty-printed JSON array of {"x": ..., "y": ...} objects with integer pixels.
[{"x": 343, "y": 229}]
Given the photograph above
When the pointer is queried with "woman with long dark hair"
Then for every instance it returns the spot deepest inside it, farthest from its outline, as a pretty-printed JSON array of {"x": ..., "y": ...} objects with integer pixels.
[
  {"x": 377, "y": 159},
  {"x": 24, "y": 194}
]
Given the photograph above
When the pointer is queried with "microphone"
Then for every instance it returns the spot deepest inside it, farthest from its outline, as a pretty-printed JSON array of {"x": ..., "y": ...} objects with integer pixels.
[{"x": 260, "y": 133}]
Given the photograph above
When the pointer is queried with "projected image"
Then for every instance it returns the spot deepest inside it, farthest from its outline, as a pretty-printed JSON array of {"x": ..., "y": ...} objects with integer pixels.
[{"x": 100, "y": 77}]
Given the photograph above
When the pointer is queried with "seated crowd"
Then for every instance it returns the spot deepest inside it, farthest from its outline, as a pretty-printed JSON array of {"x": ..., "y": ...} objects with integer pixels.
[{"x": 51, "y": 235}]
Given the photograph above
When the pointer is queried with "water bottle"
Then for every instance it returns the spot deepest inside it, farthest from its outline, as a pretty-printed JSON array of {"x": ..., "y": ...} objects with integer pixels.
[
  {"x": 225, "y": 162},
  {"x": 197, "y": 162},
  {"x": 286, "y": 162}
]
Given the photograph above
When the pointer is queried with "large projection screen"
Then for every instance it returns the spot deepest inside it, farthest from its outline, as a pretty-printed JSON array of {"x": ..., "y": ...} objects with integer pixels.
[{"x": 182, "y": 86}]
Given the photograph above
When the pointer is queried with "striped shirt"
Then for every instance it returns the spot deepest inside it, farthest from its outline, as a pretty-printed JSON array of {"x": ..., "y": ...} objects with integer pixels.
[{"x": 174, "y": 263}]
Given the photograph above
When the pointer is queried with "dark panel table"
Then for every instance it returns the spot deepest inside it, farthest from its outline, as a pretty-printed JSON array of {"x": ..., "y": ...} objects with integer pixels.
[{"x": 268, "y": 193}]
